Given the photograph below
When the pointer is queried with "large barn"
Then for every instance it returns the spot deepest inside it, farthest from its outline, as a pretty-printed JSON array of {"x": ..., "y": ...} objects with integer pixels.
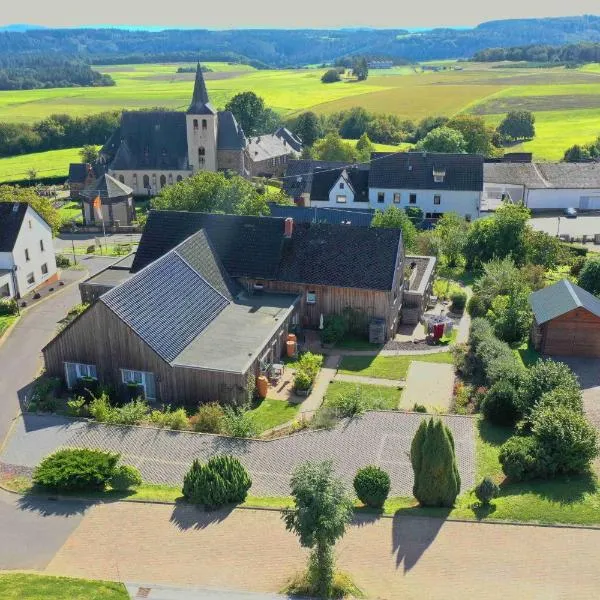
[{"x": 566, "y": 320}]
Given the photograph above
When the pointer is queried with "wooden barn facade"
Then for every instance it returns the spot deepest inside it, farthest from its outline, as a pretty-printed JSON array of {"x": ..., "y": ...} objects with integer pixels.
[{"x": 566, "y": 321}]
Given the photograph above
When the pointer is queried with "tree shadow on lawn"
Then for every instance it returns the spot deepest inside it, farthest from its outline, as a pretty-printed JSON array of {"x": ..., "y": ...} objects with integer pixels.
[
  {"x": 411, "y": 536},
  {"x": 495, "y": 435},
  {"x": 189, "y": 516}
]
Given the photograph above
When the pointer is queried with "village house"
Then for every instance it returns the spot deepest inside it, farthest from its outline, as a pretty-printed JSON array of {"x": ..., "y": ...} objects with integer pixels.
[
  {"x": 434, "y": 182},
  {"x": 209, "y": 299},
  {"x": 116, "y": 204},
  {"x": 153, "y": 149},
  {"x": 542, "y": 185},
  {"x": 81, "y": 175},
  {"x": 26, "y": 252}
]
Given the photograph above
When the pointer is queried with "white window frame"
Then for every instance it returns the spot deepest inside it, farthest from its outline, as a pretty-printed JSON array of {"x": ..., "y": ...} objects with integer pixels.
[
  {"x": 380, "y": 197},
  {"x": 81, "y": 370},
  {"x": 311, "y": 297},
  {"x": 412, "y": 199},
  {"x": 437, "y": 199},
  {"x": 397, "y": 197},
  {"x": 30, "y": 276},
  {"x": 139, "y": 377},
  {"x": 341, "y": 199},
  {"x": 44, "y": 266}
]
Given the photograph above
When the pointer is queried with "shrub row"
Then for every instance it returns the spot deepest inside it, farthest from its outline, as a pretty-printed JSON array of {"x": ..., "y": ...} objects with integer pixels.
[{"x": 307, "y": 370}]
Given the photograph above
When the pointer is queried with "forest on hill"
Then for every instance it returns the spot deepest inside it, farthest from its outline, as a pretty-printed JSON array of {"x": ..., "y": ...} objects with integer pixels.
[
  {"x": 582, "y": 52},
  {"x": 285, "y": 48}
]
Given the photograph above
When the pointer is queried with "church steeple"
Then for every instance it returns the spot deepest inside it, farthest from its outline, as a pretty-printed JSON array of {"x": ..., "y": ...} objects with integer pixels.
[{"x": 200, "y": 103}]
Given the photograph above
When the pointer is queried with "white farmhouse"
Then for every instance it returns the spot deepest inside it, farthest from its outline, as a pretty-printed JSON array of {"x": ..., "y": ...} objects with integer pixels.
[
  {"x": 543, "y": 186},
  {"x": 26, "y": 252},
  {"x": 434, "y": 182}
]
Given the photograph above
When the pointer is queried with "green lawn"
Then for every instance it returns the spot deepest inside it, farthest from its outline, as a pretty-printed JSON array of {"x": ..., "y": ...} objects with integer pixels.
[
  {"x": 54, "y": 163},
  {"x": 21, "y": 586},
  {"x": 5, "y": 322},
  {"x": 388, "y": 367},
  {"x": 270, "y": 413},
  {"x": 377, "y": 397},
  {"x": 106, "y": 250},
  {"x": 527, "y": 353},
  {"x": 70, "y": 212},
  {"x": 357, "y": 343}
]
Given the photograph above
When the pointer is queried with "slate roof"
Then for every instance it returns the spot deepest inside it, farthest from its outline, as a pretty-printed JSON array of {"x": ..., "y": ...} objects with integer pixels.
[
  {"x": 561, "y": 298},
  {"x": 246, "y": 246},
  {"x": 107, "y": 187},
  {"x": 414, "y": 170},
  {"x": 152, "y": 140},
  {"x": 293, "y": 140},
  {"x": 230, "y": 136},
  {"x": 338, "y": 255},
  {"x": 78, "y": 172},
  {"x": 298, "y": 177},
  {"x": 360, "y": 217},
  {"x": 200, "y": 104},
  {"x": 167, "y": 304},
  {"x": 525, "y": 174},
  {"x": 11, "y": 219},
  {"x": 264, "y": 147}
]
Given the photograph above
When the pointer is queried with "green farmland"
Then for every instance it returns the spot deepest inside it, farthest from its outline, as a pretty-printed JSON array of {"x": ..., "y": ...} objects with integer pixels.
[
  {"x": 566, "y": 102},
  {"x": 54, "y": 163}
]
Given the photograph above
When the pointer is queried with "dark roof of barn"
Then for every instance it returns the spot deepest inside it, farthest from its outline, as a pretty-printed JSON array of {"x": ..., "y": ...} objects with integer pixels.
[
  {"x": 152, "y": 140},
  {"x": 107, "y": 187},
  {"x": 561, "y": 298},
  {"x": 11, "y": 219},
  {"x": 414, "y": 170},
  {"x": 360, "y": 217},
  {"x": 246, "y": 246},
  {"x": 230, "y": 135},
  {"x": 341, "y": 256},
  {"x": 167, "y": 304}
]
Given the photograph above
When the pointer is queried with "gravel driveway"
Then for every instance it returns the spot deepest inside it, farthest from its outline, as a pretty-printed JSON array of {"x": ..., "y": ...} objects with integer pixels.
[{"x": 381, "y": 438}]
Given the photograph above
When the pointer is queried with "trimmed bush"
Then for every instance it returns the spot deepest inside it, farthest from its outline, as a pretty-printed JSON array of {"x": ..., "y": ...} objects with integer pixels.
[
  {"x": 567, "y": 441},
  {"x": 349, "y": 404},
  {"x": 8, "y": 307},
  {"x": 125, "y": 477},
  {"x": 477, "y": 306},
  {"x": 238, "y": 423},
  {"x": 545, "y": 376},
  {"x": 486, "y": 491},
  {"x": 499, "y": 405},
  {"x": 335, "y": 329},
  {"x": 437, "y": 481},
  {"x": 209, "y": 418},
  {"x": 519, "y": 457},
  {"x": 372, "y": 486},
  {"x": 76, "y": 469},
  {"x": 567, "y": 397},
  {"x": 302, "y": 380},
  {"x": 459, "y": 301},
  {"x": 169, "y": 418},
  {"x": 222, "y": 480}
]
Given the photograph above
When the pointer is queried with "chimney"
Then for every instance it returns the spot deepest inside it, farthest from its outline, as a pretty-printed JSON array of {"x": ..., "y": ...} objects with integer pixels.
[{"x": 288, "y": 228}]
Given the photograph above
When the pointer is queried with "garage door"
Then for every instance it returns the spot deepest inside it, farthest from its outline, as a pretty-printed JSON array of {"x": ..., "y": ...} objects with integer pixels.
[{"x": 572, "y": 339}]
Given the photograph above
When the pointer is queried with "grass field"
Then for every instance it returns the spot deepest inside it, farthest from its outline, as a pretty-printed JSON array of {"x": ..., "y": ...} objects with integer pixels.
[
  {"x": 270, "y": 413},
  {"x": 566, "y": 102},
  {"x": 376, "y": 397},
  {"x": 21, "y": 586},
  {"x": 5, "y": 322},
  {"x": 54, "y": 163}
]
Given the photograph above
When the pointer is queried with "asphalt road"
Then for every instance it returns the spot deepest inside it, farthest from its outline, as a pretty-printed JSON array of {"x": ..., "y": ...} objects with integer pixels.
[
  {"x": 20, "y": 352},
  {"x": 66, "y": 240},
  {"x": 34, "y": 529},
  {"x": 555, "y": 224}
]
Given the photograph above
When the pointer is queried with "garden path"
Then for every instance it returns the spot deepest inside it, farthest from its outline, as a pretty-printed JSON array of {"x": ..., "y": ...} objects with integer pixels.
[{"x": 428, "y": 384}]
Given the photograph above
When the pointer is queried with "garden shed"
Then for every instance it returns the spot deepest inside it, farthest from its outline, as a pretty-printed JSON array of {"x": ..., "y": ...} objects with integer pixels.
[{"x": 566, "y": 320}]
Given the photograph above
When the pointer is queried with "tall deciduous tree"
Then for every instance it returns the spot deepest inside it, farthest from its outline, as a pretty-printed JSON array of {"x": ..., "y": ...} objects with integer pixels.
[
  {"x": 437, "y": 481},
  {"x": 518, "y": 125},
  {"x": 477, "y": 135},
  {"x": 43, "y": 206},
  {"x": 360, "y": 69},
  {"x": 89, "y": 154},
  {"x": 589, "y": 278},
  {"x": 451, "y": 235},
  {"x": 307, "y": 127},
  {"x": 333, "y": 147},
  {"x": 322, "y": 512},
  {"x": 443, "y": 139},
  {"x": 251, "y": 113},
  {"x": 396, "y": 218}
]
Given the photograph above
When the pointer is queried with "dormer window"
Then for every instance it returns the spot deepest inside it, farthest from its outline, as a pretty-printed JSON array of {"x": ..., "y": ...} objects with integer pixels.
[{"x": 439, "y": 175}]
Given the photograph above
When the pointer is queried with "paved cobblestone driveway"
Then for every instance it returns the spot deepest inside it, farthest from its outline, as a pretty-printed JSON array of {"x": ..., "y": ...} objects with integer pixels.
[{"x": 381, "y": 438}]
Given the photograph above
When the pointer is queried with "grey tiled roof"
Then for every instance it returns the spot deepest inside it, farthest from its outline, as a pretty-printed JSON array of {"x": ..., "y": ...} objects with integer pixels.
[
  {"x": 293, "y": 140},
  {"x": 78, "y": 172},
  {"x": 152, "y": 140},
  {"x": 11, "y": 219},
  {"x": 360, "y": 217},
  {"x": 561, "y": 298},
  {"x": 107, "y": 187},
  {"x": 414, "y": 170},
  {"x": 167, "y": 304},
  {"x": 513, "y": 173},
  {"x": 200, "y": 104},
  {"x": 264, "y": 147},
  {"x": 571, "y": 175}
]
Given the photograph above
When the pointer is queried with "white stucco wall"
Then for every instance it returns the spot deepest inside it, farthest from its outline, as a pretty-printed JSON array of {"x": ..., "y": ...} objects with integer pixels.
[
  {"x": 135, "y": 180},
  {"x": 205, "y": 137},
  {"x": 6, "y": 282},
  {"x": 494, "y": 191},
  {"x": 33, "y": 230},
  {"x": 464, "y": 203},
  {"x": 547, "y": 198},
  {"x": 345, "y": 190}
]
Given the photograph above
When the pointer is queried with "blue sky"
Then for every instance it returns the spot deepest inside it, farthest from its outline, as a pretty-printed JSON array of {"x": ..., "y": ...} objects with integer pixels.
[{"x": 277, "y": 13}]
